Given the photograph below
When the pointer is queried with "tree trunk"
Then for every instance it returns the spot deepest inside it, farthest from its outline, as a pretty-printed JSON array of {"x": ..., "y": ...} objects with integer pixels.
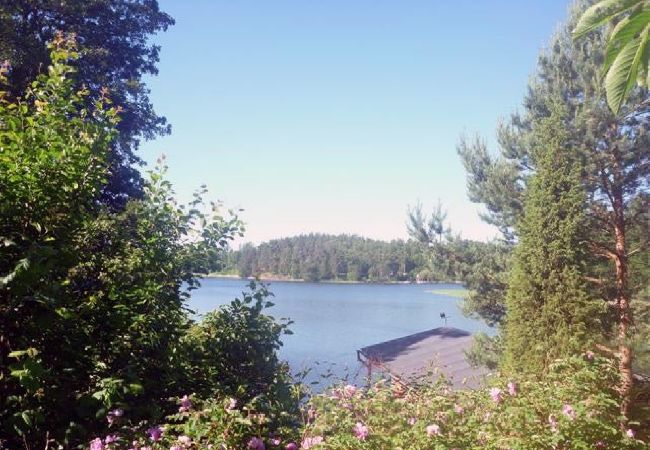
[{"x": 624, "y": 315}]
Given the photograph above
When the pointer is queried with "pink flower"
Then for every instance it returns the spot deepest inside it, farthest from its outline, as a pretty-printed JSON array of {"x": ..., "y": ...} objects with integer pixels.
[
  {"x": 256, "y": 443},
  {"x": 310, "y": 442},
  {"x": 291, "y": 446},
  {"x": 590, "y": 355},
  {"x": 361, "y": 431},
  {"x": 110, "y": 439},
  {"x": 275, "y": 441},
  {"x": 568, "y": 411},
  {"x": 496, "y": 394},
  {"x": 411, "y": 421},
  {"x": 232, "y": 404},
  {"x": 186, "y": 404},
  {"x": 175, "y": 447},
  {"x": 184, "y": 440},
  {"x": 512, "y": 388},
  {"x": 600, "y": 444},
  {"x": 433, "y": 430},
  {"x": 155, "y": 433},
  {"x": 630, "y": 433},
  {"x": 349, "y": 390},
  {"x": 96, "y": 444},
  {"x": 553, "y": 422},
  {"x": 459, "y": 409}
]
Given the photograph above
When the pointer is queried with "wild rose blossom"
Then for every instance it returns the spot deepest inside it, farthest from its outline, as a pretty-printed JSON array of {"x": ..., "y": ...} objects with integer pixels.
[
  {"x": 310, "y": 442},
  {"x": 361, "y": 431},
  {"x": 96, "y": 444},
  {"x": 186, "y": 404},
  {"x": 256, "y": 443},
  {"x": 496, "y": 394},
  {"x": 568, "y": 411},
  {"x": 155, "y": 433},
  {"x": 433, "y": 430},
  {"x": 349, "y": 390}
]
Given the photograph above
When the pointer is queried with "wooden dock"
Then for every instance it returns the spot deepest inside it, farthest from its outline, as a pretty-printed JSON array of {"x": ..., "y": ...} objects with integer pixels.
[{"x": 416, "y": 356}]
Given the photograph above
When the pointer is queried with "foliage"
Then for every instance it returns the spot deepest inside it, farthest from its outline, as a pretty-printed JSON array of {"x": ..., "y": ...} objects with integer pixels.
[
  {"x": 627, "y": 56},
  {"x": 316, "y": 257},
  {"x": 233, "y": 351},
  {"x": 114, "y": 54},
  {"x": 550, "y": 313},
  {"x": 92, "y": 310},
  {"x": 614, "y": 176},
  {"x": 571, "y": 407}
]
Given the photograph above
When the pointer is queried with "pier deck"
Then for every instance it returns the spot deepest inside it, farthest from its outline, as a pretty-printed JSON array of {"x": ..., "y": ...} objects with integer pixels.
[{"x": 416, "y": 355}]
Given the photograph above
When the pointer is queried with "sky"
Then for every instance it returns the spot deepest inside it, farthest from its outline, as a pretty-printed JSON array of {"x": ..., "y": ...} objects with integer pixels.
[{"x": 335, "y": 116}]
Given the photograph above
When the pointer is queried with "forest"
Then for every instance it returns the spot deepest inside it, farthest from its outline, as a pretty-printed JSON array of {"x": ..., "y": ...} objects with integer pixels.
[
  {"x": 317, "y": 257},
  {"x": 99, "y": 350}
]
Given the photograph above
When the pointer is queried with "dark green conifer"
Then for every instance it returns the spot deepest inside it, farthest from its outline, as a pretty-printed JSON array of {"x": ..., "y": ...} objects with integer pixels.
[{"x": 549, "y": 309}]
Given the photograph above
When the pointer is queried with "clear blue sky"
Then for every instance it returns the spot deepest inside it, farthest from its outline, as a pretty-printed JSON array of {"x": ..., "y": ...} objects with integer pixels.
[{"x": 333, "y": 116}]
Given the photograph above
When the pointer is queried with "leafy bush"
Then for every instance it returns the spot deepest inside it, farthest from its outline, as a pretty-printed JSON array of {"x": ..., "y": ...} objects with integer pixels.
[
  {"x": 92, "y": 301},
  {"x": 571, "y": 407},
  {"x": 232, "y": 351}
]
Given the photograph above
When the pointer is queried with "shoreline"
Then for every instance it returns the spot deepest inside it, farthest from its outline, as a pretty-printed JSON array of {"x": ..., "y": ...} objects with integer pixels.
[{"x": 267, "y": 278}]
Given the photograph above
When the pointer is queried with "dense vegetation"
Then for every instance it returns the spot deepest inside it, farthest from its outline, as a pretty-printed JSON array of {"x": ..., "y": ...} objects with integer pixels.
[
  {"x": 316, "y": 257},
  {"x": 607, "y": 254},
  {"x": 92, "y": 300},
  {"x": 98, "y": 348}
]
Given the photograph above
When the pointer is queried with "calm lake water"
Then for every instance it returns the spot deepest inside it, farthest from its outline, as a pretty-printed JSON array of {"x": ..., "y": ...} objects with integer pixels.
[{"x": 332, "y": 321}]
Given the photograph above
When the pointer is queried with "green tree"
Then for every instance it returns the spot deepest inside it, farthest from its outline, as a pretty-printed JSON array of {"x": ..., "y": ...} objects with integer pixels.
[
  {"x": 92, "y": 301},
  {"x": 114, "y": 54},
  {"x": 627, "y": 55},
  {"x": 617, "y": 165},
  {"x": 550, "y": 313}
]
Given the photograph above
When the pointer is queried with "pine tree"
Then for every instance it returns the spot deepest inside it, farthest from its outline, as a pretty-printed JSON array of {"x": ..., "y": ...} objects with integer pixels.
[{"x": 550, "y": 313}]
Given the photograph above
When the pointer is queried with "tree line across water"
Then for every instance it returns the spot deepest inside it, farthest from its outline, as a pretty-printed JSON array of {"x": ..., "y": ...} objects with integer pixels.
[{"x": 316, "y": 257}]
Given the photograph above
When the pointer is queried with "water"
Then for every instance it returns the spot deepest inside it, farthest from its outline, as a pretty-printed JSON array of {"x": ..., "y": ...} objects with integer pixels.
[{"x": 332, "y": 321}]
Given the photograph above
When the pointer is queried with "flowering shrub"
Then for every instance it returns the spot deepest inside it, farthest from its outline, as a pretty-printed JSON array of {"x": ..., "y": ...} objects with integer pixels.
[
  {"x": 571, "y": 407},
  {"x": 221, "y": 423}
]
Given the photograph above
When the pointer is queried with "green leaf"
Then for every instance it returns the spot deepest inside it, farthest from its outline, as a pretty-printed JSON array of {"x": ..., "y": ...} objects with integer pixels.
[
  {"x": 622, "y": 75},
  {"x": 601, "y": 13},
  {"x": 625, "y": 31}
]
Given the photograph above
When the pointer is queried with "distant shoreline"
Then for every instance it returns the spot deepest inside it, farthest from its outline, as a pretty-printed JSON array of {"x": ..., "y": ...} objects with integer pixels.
[{"x": 269, "y": 278}]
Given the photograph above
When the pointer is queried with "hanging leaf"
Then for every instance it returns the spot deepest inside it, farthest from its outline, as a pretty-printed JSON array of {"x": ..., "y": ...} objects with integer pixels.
[
  {"x": 601, "y": 13},
  {"x": 622, "y": 74}
]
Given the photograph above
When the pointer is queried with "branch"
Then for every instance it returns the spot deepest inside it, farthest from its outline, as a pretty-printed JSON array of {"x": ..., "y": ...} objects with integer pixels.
[
  {"x": 600, "y": 249},
  {"x": 638, "y": 249}
]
